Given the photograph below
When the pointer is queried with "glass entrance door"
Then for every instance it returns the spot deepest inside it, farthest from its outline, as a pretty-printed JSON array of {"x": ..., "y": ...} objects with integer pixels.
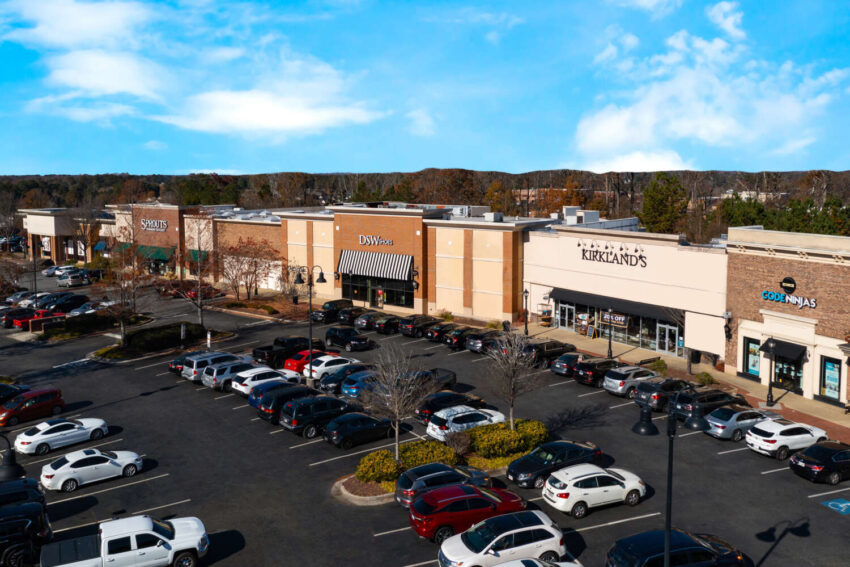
[
  {"x": 566, "y": 316},
  {"x": 668, "y": 339}
]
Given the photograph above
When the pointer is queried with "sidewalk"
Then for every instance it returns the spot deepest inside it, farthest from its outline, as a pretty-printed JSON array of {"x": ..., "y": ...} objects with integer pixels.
[{"x": 796, "y": 408}]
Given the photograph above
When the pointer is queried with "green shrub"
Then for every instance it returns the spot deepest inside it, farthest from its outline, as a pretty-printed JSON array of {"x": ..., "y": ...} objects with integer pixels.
[
  {"x": 659, "y": 366},
  {"x": 705, "y": 379},
  {"x": 497, "y": 440},
  {"x": 377, "y": 467},
  {"x": 494, "y": 325},
  {"x": 446, "y": 316},
  {"x": 99, "y": 262},
  {"x": 269, "y": 309},
  {"x": 532, "y": 431},
  {"x": 89, "y": 323},
  {"x": 159, "y": 338},
  {"x": 424, "y": 452}
]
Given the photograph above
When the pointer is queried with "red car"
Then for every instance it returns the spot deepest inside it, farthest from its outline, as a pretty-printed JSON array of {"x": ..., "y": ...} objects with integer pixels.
[
  {"x": 300, "y": 360},
  {"x": 443, "y": 512},
  {"x": 23, "y": 320},
  {"x": 31, "y": 405},
  {"x": 207, "y": 292}
]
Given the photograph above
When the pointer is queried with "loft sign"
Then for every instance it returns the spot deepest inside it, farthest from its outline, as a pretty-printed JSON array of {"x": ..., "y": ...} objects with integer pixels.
[
  {"x": 155, "y": 225},
  {"x": 620, "y": 258},
  {"x": 372, "y": 240}
]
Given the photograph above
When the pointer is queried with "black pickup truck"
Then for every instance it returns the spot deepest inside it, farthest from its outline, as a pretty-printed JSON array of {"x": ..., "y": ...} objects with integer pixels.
[{"x": 275, "y": 355}]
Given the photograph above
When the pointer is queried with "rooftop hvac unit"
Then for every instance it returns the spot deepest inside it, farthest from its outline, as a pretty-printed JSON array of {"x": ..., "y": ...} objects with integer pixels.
[{"x": 493, "y": 217}]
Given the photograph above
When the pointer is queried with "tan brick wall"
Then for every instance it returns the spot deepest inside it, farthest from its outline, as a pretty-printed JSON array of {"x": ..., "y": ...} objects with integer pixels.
[
  {"x": 467, "y": 269},
  {"x": 230, "y": 232}
]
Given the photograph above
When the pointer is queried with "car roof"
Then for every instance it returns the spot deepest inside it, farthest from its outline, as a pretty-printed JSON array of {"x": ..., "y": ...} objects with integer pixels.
[
  {"x": 33, "y": 393},
  {"x": 515, "y": 521},
  {"x": 74, "y": 455},
  {"x": 134, "y": 524},
  {"x": 448, "y": 493},
  {"x": 779, "y": 425},
  {"x": 454, "y": 410},
  {"x": 577, "y": 471},
  {"x": 201, "y": 355},
  {"x": 567, "y": 443},
  {"x": 627, "y": 368},
  {"x": 833, "y": 445},
  {"x": 427, "y": 470},
  {"x": 652, "y": 542},
  {"x": 325, "y": 358}
]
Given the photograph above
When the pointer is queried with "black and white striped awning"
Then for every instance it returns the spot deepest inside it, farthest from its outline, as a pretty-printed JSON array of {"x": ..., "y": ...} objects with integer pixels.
[{"x": 375, "y": 264}]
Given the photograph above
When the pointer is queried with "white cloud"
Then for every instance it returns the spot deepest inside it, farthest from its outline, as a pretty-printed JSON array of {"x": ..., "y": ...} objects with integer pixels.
[
  {"x": 421, "y": 122},
  {"x": 657, "y": 8},
  {"x": 79, "y": 111},
  {"x": 155, "y": 145},
  {"x": 630, "y": 41},
  {"x": 661, "y": 160},
  {"x": 500, "y": 22},
  {"x": 223, "y": 54},
  {"x": 98, "y": 72},
  {"x": 794, "y": 146},
  {"x": 726, "y": 16},
  {"x": 626, "y": 41},
  {"x": 607, "y": 54},
  {"x": 215, "y": 170}
]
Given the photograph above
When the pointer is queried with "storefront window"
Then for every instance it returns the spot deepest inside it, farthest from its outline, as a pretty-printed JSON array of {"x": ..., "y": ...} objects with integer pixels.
[
  {"x": 582, "y": 319},
  {"x": 633, "y": 331},
  {"x": 751, "y": 356},
  {"x": 377, "y": 291},
  {"x": 648, "y": 327},
  {"x": 830, "y": 378}
]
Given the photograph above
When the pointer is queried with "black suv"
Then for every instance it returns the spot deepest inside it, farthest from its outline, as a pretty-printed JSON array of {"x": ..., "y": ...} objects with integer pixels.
[
  {"x": 284, "y": 347},
  {"x": 592, "y": 371},
  {"x": 330, "y": 310},
  {"x": 348, "y": 315},
  {"x": 20, "y": 491},
  {"x": 647, "y": 550},
  {"x": 273, "y": 401},
  {"x": 656, "y": 392},
  {"x": 386, "y": 325},
  {"x": 419, "y": 480},
  {"x": 700, "y": 403},
  {"x": 445, "y": 399},
  {"x": 67, "y": 303},
  {"x": 24, "y": 528},
  {"x": 347, "y": 337},
  {"x": 533, "y": 469},
  {"x": 309, "y": 416},
  {"x": 437, "y": 332},
  {"x": 544, "y": 352},
  {"x": 416, "y": 325}
]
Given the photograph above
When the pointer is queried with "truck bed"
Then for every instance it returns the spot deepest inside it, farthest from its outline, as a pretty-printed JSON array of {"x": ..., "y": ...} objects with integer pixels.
[{"x": 71, "y": 551}]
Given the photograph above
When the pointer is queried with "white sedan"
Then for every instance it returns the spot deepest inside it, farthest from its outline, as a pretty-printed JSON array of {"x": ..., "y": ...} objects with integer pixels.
[
  {"x": 89, "y": 465},
  {"x": 781, "y": 437},
  {"x": 574, "y": 490},
  {"x": 30, "y": 301},
  {"x": 327, "y": 364},
  {"x": 460, "y": 418},
  {"x": 52, "y": 434},
  {"x": 246, "y": 380}
]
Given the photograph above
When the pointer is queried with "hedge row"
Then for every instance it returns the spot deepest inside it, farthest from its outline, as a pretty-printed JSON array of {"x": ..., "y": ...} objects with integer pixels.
[
  {"x": 381, "y": 465},
  {"x": 166, "y": 336},
  {"x": 497, "y": 440}
]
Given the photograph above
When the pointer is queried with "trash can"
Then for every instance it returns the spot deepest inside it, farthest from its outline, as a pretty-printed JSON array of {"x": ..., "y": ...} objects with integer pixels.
[{"x": 295, "y": 300}]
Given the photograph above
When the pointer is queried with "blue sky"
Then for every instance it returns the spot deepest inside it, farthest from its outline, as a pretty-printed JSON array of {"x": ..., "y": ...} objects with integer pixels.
[{"x": 347, "y": 85}]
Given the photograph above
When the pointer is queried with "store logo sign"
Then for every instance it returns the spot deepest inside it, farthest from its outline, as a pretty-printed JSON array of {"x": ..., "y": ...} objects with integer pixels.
[
  {"x": 621, "y": 258},
  {"x": 155, "y": 225},
  {"x": 372, "y": 240},
  {"x": 800, "y": 302},
  {"x": 788, "y": 285}
]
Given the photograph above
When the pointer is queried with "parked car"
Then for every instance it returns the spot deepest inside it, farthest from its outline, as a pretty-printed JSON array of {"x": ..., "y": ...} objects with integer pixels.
[
  {"x": 17, "y": 296},
  {"x": 574, "y": 490},
  {"x": 93, "y": 275},
  {"x": 86, "y": 309},
  {"x": 366, "y": 320},
  {"x": 348, "y": 338},
  {"x": 330, "y": 310},
  {"x": 220, "y": 376},
  {"x": 592, "y": 370},
  {"x": 456, "y": 338},
  {"x": 7, "y": 318},
  {"x": 194, "y": 365},
  {"x": 133, "y": 541},
  {"x": 733, "y": 421},
  {"x": 352, "y": 429},
  {"x": 176, "y": 364},
  {"x": 544, "y": 352},
  {"x": 206, "y": 292},
  {"x": 657, "y": 392},
  {"x": 436, "y": 332},
  {"x": 273, "y": 401},
  {"x": 496, "y": 540},
  {"x": 30, "y": 300},
  {"x": 646, "y": 549},
  {"x": 298, "y": 361},
  {"x": 352, "y": 386},
  {"x": 24, "y": 528},
  {"x": 309, "y": 416},
  {"x": 275, "y": 355},
  {"x": 533, "y": 469},
  {"x": 331, "y": 383},
  {"x": 9, "y": 391},
  {"x": 347, "y": 315},
  {"x": 475, "y": 341},
  {"x": 445, "y": 399},
  {"x": 22, "y": 321},
  {"x": 386, "y": 325},
  {"x": 415, "y": 482},
  {"x": 20, "y": 491},
  {"x": 701, "y": 402},
  {"x": 325, "y": 364},
  {"x": 439, "y": 514},
  {"x": 75, "y": 469},
  {"x": 73, "y": 280},
  {"x": 781, "y": 437},
  {"x": 46, "y": 301},
  {"x": 623, "y": 381},
  {"x": 55, "y": 433},
  {"x": 257, "y": 393},
  {"x": 460, "y": 418},
  {"x": 825, "y": 461},
  {"x": 416, "y": 325},
  {"x": 68, "y": 303},
  {"x": 245, "y": 381},
  {"x": 32, "y": 404},
  {"x": 435, "y": 378}
]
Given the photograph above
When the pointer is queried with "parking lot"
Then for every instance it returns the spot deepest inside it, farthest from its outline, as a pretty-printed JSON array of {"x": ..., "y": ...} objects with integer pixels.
[{"x": 264, "y": 493}]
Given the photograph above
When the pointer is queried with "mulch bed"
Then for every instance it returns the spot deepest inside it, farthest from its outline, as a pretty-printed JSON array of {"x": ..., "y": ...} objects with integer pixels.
[{"x": 359, "y": 488}]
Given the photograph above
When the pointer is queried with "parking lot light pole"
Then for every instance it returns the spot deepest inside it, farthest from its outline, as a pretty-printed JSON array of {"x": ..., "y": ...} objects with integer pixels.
[
  {"x": 300, "y": 281},
  {"x": 771, "y": 345},
  {"x": 525, "y": 314},
  {"x": 645, "y": 427},
  {"x": 610, "y": 323}
]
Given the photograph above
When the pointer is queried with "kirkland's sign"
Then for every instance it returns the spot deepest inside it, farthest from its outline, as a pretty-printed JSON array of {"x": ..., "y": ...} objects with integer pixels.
[
  {"x": 621, "y": 258},
  {"x": 372, "y": 240},
  {"x": 155, "y": 225}
]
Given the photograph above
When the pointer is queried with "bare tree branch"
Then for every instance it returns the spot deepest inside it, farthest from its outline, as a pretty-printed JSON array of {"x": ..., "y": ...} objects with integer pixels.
[{"x": 513, "y": 370}]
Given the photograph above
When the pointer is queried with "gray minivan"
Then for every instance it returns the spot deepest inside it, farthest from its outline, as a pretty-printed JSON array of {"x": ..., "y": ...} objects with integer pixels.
[
  {"x": 219, "y": 376},
  {"x": 193, "y": 366}
]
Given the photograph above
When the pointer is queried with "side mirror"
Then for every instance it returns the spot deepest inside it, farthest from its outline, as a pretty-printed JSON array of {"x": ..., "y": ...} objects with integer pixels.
[{"x": 160, "y": 543}]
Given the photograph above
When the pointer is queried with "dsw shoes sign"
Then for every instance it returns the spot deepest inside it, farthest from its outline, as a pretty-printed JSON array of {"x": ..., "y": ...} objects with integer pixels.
[{"x": 372, "y": 240}]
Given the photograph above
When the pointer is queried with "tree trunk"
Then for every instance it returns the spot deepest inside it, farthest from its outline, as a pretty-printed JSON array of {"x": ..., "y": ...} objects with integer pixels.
[
  {"x": 200, "y": 313},
  {"x": 396, "y": 427},
  {"x": 511, "y": 416},
  {"x": 123, "y": 323}
]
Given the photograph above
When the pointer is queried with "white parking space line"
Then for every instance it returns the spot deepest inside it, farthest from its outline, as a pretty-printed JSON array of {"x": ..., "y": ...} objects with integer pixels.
[
  {"x": 109, "y": 489},
  {"x": 242, "y": 406},
  {"x": 540, "y": 372},
  {"x": 560, "y": 383},
  {"x": 591, "y": 393},
  {"x": 54, "y": 457},
  {"x": 621, "y": 405},
  {"x": 421, "y": 564},
  {"x": 418, "y": 340},
  {"x": 162, "y": 374},
  {"x": 458, "y": 352},
  {"x": 359, "y": 452},
  {"x": 151, "y": 365},
  {"x": 433, "y": 347},
  {"x": 307, "y": 443},
  {"x": 392, "y": 337},
  {"x": 179, "y": 381},
  {"x": 201, "y": 388},
  {"x": 258, "y": 323},
  {"x": 256, "y": 419},
  {"x": 138, "y": 512},
  {"x": 388, "y": 532},
  {"x": 535, "y": 499},
  {"x": 827, "y": 493},
  {"x": 588, "y": 528},
  {"x": 163, "y": 506},
  {"x": 70, "y": 363},
  {"x": 224, "y": 396},
  {"x": 28, "y": 426},
  {"x": 276, "y": 431},
  {"x": 484, "y": 359},
  {"x": 691, "y": 433},
  {"x": 776, "y": 470},
  {"x": 244, "y": 344},
  {"x": 733, "y": 451},
  {"x": 659, "y": 417}
]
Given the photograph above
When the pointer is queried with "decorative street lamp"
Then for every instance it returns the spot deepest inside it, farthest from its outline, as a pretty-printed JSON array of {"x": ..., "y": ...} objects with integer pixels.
[
  {"x": 647, "y": 428},
  {"x": 610, "y": 323},
  {"x": 770, "y": 348},
  {"x": 300, "y": 281},
  {"x": 525, "y": 317}
]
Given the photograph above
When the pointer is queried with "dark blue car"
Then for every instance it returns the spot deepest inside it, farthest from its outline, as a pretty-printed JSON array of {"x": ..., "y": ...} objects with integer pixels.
[
  {"x": 354, "y": 384},
  {"x": 260, "y": 389}
]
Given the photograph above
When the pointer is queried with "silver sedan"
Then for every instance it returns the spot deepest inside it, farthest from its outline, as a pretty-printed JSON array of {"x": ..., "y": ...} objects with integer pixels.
[
  {"x": 733, "y": 421},
  {"x": 54, "y": 433}
]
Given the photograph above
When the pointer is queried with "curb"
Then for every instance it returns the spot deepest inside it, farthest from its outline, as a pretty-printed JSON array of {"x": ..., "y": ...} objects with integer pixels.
[
  {"x": 175, "y": 350},
  {"x": 339, "y": 492}
]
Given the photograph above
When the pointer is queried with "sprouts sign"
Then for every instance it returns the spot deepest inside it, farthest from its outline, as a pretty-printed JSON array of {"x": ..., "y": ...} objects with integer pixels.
[
  {"x": 787, "y": 296},
  {"x": 154, "y": 225}
]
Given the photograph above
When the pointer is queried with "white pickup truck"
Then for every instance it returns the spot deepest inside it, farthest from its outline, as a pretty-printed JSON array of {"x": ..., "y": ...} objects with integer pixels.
[{"x": 138, "y": 541}]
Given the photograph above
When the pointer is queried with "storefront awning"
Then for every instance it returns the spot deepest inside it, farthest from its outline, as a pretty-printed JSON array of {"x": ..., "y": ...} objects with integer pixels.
[
  {"x": 122, "y": 246},
  {"x": 375, "y": 264},
  {"x": 100, "y": 246},
  {"x": 786, "y": 350},
  {"x": 155, "y": 252},
  {"x": 619, "y": 305},
  {"x": 194, "y": 254}
]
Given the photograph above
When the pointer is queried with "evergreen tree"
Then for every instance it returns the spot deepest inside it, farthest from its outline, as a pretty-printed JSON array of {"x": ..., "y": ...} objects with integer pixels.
[{"x": 665, "y": 204}]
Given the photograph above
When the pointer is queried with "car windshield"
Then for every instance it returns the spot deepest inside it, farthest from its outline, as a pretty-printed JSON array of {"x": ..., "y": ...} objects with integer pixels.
[
  {"x": 616, "y": 475},
  {"x": 490, "y": 494},
  {"x": 478, "y": 537},
  {"x": 438, "y": 421},
  {"x": 542, "y": 455},
  {"x": 32, "y": 431},
  {"x": 724, "y": 414},
  {"x": 14, "y": 403},
  {"x": 761, "y": 432},
  {"x": 163, "y": 528},
  {"x": 109, "y": 454},
  {"x": 58, "y": 463}
]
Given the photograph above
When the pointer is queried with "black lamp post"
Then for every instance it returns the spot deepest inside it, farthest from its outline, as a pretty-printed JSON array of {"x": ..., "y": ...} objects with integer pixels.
[
  {"x": 610, "y": 323},
  {"x": 351, "y": 286},
  {"x": 9, "y": 469},
  {"x": 525, "y": 317},
  {"x": 647, "y": 428},
  {"x": 300, "y": 281},
  {"x": 769, "y": 348}
]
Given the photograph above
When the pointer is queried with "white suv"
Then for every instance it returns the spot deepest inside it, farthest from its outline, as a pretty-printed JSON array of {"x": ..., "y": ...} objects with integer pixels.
[
  {"x": 326, "y": 364},
  {"x": 573, "y": 490},
  {"x": 246, "y": 380},
  {"x": 504, "y": 538},
  {"x": 460, "y": 418},
  {"x": 780, "y": 437}
]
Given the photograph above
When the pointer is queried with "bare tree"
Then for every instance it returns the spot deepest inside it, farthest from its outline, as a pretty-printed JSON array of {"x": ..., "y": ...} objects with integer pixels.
[
  {"x": 8, "y": 216},
  {"x": 200, "y": 242},
  {"x": 514, "y": 370},
  {"x": 397, "y": 388},
  {"x": 85, "y": 220},
  {"x": 247, "y": 263}
]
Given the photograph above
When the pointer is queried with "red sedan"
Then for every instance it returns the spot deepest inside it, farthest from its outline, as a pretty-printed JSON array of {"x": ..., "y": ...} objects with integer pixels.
[
  {"x": 300, "y": 360},
  {"x": 441, "y": 513}
]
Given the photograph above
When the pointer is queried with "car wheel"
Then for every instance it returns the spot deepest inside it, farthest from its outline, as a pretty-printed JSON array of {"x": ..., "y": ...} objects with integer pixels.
[
  {"x": 42, "y": 449},
  {"x": 227, "y": 386},
  {"x": 96, "y": 434},
  {"x": 549, "y": 556},
  {"x": 737, "y": 435},
  {"x": 56, "y": 410},
  {"x": 348, "y": 347},
  {"x": 418, "y": 333},
  {"x": 12, "y": 421},
  {"x": 631, "y": 394},
  {"x": 185, "y": 559},
  {"x": 346, "y": 444},
  {"x": 579, "y": 510},
  {"x": 14, "y": 557},
  {"x": 539, "y": 482},
  {"x": 782, "y": 453},
  {"x": 633, "y": 498},
  {"x": 833, "y": 478},
  {"x": 310, "y": 431},
  {"x": 442, "y": 534},
  {"x": 822, "y": 439},
  {"x": 69, "y": 485},
  {"x": 129, "y": 470}
]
